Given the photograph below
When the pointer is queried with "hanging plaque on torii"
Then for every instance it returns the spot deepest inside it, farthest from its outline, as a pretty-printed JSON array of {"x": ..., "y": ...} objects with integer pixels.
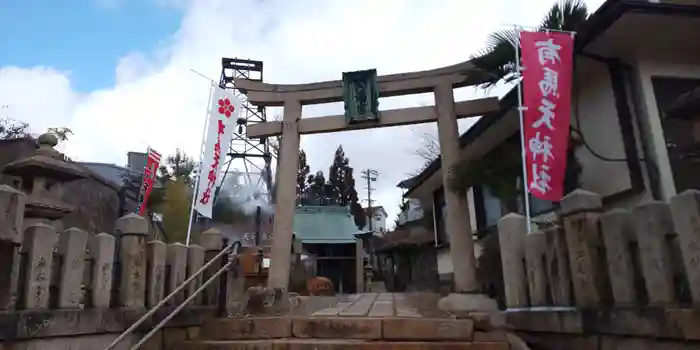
[{"x": 361, "y": 96}]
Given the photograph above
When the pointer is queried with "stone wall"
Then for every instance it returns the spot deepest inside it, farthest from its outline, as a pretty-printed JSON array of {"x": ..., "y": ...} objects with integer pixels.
[
  {"x": 69, "y": 289},
  {"x": 606, "y": 280}
]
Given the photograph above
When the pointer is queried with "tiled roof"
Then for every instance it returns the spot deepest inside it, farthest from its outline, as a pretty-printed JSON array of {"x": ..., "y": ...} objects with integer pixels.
[
  {"x": 325, "y": 224},
  {"x": 110, "y": 172},
  {"x": 313, "y": 224}
]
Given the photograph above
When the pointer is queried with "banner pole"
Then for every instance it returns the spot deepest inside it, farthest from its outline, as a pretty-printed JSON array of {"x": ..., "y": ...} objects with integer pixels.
[
  {"x": 521, "y": 112},
  {"x": 199, "y": 173}
]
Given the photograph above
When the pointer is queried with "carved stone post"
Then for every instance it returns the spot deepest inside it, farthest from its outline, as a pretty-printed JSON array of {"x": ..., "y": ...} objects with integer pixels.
[
  {"x": 38, "y": 245},
  {"x": 71, "y": 246},
  {"x": 652, "y": 223},
  {"x": 195, "y": 260},
  {"x": 157, "y": 252},
  {"x": 11, "y": 234},
  {"x": 618, "y": 231},
  {"x": 580, "y": 211},
  {"x": 558, "y": 268},
  {"x": 177, "y": 260},
  {"x": 132, "y": 230},
  {"x": 102, "y": 248},
  {"x": 685, "y": 208},
  {"x": 511, "y": 236},
  {"x": 535, "y": 250},
  {"x": 212, "y": 242},
  {"x": 285, "y": 198}
]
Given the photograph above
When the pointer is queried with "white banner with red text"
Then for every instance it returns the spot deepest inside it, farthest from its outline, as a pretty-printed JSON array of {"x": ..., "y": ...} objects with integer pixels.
[
  {"x": 547, "y": 61},
  {"x": 223, "y": 113}
]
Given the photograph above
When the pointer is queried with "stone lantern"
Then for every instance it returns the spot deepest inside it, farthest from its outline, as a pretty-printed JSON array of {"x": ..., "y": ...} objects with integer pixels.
[{"x": 43, "y": 177}]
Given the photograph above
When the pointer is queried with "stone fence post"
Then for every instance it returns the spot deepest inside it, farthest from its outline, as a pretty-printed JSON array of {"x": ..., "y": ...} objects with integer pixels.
[
  {"x": 211, "y": 241},
  {"x": 39, "y": 241},
  {"x": 685, "y": 210},
  {"x": 652, "y": 223},
  {"x": 71, "y": 246},
  {"x": 557, "y": 266},
  {"x": 580, "y": 211},
  {"x": 101, "y": 249},
  {"x": 177, "y": 260},
  {"x": 618, "y": 233},
  {"x": 11, "y": 235},
  {"x": 512, "y": 229},
  {"x": 132, "y": 231},
  {"x": 157, "y": 253}
]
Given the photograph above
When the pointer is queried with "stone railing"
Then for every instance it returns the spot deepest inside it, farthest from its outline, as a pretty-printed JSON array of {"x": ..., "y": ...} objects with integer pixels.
[
  {"x": 615, "y": 278},
  {"x": 78, "y": 290}
]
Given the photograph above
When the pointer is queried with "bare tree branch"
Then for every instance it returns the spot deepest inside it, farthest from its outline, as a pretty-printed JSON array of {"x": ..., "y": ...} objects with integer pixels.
[{"x": 427, "y": 147}]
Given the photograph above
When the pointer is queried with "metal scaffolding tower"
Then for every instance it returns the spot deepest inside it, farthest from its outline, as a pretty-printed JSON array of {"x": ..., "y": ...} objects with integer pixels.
[{"x": 249, "y": 161}]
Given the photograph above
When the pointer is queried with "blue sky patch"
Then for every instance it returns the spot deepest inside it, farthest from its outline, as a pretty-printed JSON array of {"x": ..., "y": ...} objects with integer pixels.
[{"x": 83, "y": 37}]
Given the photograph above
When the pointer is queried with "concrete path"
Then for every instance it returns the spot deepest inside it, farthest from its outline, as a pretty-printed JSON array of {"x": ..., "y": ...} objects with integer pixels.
[{"x": 408, "y": 305}]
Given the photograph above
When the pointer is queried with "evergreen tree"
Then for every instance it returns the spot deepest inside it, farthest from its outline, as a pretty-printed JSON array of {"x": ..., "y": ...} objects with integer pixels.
[
  {"x": 351, "y": 199},
  {"x": 338, "y": 192},
  {"x": 317, "y": 188},
  {"x": 303, "y": 171},
  {"x": 402, "y": 208}
]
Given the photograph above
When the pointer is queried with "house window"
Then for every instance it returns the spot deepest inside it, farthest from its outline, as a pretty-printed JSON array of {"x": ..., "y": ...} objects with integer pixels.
[
  {"x": 681, "y": 130},
  {"x": 489, "y": 208},
  {"x": 439, "y": 214}
]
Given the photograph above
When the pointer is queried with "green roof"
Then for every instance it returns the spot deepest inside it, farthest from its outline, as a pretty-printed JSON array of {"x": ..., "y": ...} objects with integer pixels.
[{"x": 325, "y": 224}]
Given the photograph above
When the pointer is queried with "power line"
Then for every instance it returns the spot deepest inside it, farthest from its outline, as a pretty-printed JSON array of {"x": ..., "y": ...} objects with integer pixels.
[{"x": 370, "y": 175}]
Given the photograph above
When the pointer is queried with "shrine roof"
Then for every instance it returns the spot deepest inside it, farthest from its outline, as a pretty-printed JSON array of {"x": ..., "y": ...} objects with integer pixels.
[{"x": 325, "y": 224}]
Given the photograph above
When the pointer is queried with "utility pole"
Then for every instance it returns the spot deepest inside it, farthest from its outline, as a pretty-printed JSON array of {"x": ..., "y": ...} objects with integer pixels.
[{"x": 370, "y": 175}]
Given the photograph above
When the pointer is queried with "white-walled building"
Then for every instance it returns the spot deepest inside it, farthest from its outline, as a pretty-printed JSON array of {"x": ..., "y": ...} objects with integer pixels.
[
  {"x": 377, "y": 217},
  {"x": 633, "y": 59}
]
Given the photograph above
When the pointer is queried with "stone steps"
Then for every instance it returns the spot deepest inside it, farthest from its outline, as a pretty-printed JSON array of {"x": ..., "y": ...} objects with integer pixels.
[
  {"x": 320, "y": 333},
  {"x": 341, "y": 344}
]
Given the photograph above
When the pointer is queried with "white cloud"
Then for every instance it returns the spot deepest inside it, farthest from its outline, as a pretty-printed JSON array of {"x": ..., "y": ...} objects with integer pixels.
[{"x": 157, "y": 99}]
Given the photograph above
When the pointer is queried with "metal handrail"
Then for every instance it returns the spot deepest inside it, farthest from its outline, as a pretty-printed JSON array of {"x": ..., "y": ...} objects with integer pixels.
[{"x": 230, "y": 248}]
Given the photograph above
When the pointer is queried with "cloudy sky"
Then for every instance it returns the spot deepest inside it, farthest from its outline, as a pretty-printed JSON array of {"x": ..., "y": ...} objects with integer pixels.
[{"x": 118, "y": 72}]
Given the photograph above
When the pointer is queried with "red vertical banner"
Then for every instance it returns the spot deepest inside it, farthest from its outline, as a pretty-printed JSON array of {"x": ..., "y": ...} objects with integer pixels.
[
  {"x": 547, "y": 63},
  {"x": 149, "y": 177}
]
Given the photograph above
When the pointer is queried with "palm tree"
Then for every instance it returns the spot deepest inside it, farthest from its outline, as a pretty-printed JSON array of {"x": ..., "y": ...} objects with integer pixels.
[{"x": 498, "y": 57}]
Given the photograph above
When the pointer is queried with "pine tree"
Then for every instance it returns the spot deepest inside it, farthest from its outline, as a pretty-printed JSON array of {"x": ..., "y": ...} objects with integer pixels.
[{"x": 303, "y": 171}]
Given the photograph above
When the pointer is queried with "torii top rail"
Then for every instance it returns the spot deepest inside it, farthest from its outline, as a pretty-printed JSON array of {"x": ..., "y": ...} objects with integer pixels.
[{"x": 274, "y": 95}]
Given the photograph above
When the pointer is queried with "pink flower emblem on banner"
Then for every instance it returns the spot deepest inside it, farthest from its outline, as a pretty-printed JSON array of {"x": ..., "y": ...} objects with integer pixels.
[{"x": 225, "y": 107}]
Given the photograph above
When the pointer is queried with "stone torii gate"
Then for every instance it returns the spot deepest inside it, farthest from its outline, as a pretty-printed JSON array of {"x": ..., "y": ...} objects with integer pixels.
[{"x": 360, "y": 91}]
